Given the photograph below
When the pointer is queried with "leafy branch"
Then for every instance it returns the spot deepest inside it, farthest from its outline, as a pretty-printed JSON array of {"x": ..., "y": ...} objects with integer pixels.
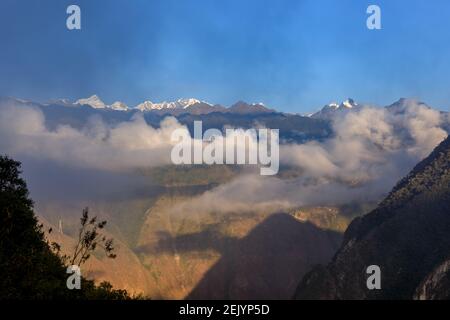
[{"x": 89, "y": 239}]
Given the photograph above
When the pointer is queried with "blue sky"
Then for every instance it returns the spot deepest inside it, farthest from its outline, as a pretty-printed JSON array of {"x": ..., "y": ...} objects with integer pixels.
[{"x": 293, "y": 55}]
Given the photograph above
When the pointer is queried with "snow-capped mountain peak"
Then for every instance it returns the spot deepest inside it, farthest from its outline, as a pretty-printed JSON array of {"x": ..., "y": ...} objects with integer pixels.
[
  {"x": 186, "y": 103},
  {"x": 146, "y": 106},
  {"x": 118, "y": 105},
  {"x": 179, "y": 104},
  {"x": 349, "y": 103},
  {"x": 330, "y": 109},
  {"x": 332, "y": 105},
  {"x": 94, "y": 101}
]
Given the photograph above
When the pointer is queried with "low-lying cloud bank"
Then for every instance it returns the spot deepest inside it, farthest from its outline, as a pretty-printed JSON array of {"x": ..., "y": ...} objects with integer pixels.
[
  {"x": 369, "y": 142},
  {"x": 370, "y": 150},
  {"x": 128, "y": 145}
]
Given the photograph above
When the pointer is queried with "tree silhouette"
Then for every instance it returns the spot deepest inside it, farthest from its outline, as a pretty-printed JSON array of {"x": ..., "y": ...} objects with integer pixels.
[
  {"x": 29, "y": 268},
  {"x": 89, "y": 238}
]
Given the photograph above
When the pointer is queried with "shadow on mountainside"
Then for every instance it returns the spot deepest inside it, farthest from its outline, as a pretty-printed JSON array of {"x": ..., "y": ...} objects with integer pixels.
[{"x": 265, "y": 264}]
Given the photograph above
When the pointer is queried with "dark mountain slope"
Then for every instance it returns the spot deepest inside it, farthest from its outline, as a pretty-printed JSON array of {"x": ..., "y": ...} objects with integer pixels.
[
  {"x": 246, "y": 268},
  {"x": 407, "y": 236}
]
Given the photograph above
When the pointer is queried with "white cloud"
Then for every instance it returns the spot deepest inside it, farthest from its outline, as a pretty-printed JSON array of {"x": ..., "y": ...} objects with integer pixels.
[
  {"x": 127, "y": 145},
  {"x": 370, "y": 150}
]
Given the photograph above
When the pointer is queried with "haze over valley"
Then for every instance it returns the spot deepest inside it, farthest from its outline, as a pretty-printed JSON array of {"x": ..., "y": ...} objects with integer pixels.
[{"x": 212, "y": 231}]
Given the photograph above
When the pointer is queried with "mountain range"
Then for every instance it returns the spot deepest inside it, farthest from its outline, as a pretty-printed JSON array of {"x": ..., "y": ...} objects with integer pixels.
[
  {"x": 197, "y": 107},
  {"x": 293, "y": 127},
  {"x": 188, "y": 105}
]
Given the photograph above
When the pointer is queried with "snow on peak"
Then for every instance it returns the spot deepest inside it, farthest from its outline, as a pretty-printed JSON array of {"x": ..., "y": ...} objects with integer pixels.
[
  {"x": 349, "y": 103},
  {"x": 146, "y": 105},
  {"x": 186, "y": 103},
  {"x": 179, "y": 104},
  {"x": 94, "y": 101},
  {"x": 120, "y": 106},
  {"x": 333, "y": 105},
  {"x": 330, "y": 109},
  {"x": 254, "y": 104}
]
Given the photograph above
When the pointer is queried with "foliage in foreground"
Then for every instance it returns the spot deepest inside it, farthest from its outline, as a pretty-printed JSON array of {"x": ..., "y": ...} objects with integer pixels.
[{"x": 29, "y": 269}]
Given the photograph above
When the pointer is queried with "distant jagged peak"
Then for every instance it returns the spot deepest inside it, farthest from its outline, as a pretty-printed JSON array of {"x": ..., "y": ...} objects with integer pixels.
[
  {"x": 406, "y": 101},
  {"x": 60, "y": 101},
  {"x": 145, "y": 106},
  {"x": 187, "y": 102},
  {"x": 404, "y": 104},
  {"x": 94, "y": 101},
  {"x": 346, "y": 104},
  {"x": 183, "y": 103},
  {"x": 329, "y": 110},
  {"x": 349, "y": 104},
  {"x": 119, "y": 105},
  {"x": 244, "y": 107}
]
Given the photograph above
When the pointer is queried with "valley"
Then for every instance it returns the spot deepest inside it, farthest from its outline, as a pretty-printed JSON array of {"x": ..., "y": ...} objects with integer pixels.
[
  {"x": 213, "y": 231},
  {"x": 166, "y": 254},
  {"x": 224, "y": 150}
]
